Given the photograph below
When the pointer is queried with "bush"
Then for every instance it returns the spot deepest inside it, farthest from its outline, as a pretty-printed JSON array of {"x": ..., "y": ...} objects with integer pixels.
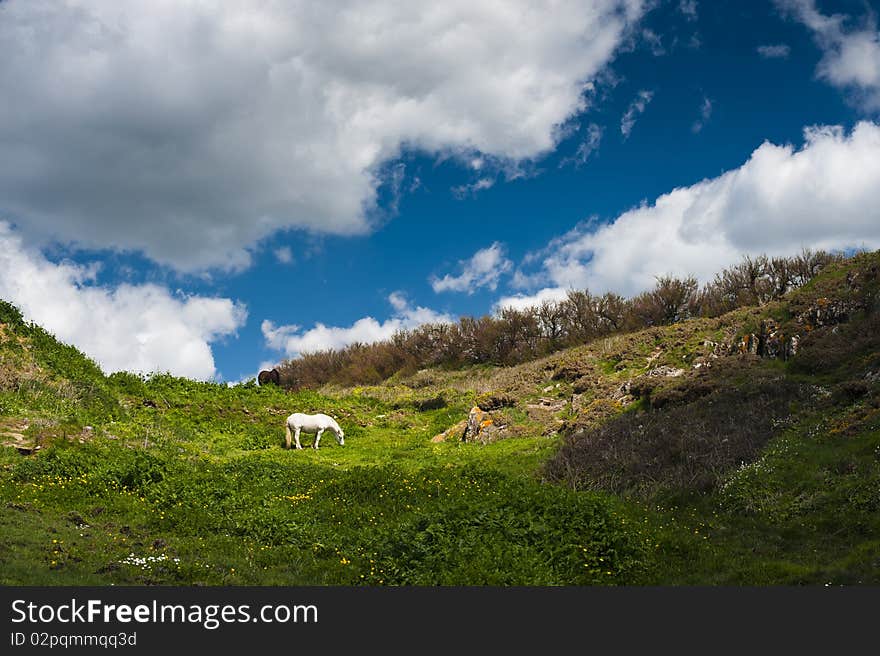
[
  {"x": 849, "y": 347},
  {"x": 687, "y": 447},
  {"x": 513, "y": 336},
  {"x": 494, "y": 401},
  {"x": 431, "y": 403},
  {"x": 11, "y": 315}
]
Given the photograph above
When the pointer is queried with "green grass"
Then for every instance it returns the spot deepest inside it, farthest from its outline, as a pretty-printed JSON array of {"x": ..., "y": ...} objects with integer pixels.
[
  {"x": 805, "y": 513},
  {"x": 161, "y": 480},
  {"x": 92, "y": 514},
  {"x": 194, "y": 487}
]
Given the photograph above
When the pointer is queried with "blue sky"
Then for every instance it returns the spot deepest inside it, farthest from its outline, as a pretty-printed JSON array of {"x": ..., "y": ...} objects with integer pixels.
[{"x": 211, "y": 192}]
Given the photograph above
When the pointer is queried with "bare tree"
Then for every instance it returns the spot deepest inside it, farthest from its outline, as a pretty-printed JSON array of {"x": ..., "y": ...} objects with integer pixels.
[{"x": 551, "y": 319}]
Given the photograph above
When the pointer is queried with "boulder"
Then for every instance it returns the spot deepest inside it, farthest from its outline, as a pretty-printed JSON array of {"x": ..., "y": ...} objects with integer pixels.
[
  {"x": 746, "y": 344},
  {"x": 455, "y": 433},
  {"x": 478, "y": 421},
  {"x": 665, "y": 371},
  {"x": 623, "y": 394},
  {"x": 481, "y": 426}
]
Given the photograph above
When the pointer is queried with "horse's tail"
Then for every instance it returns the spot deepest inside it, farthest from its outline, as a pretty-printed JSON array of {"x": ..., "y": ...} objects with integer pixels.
[{"x": 288, "y": 436}]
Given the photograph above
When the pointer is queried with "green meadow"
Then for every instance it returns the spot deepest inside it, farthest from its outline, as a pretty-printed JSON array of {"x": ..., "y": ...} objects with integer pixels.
[{"x": 133, "y": 480}]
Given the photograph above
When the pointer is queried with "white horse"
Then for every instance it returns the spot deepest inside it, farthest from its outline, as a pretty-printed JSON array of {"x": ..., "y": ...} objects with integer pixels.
[{"x": 317, "y": 424}]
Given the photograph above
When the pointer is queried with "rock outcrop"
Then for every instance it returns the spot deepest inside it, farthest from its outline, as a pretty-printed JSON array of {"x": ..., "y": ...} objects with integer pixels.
[
  {"x": 827, "y": 312},
  {"x": 769, "y": 342},
  {"x": 480, "y": 426},
  {"x": 455, "y": 433},
  {"x": 665, "y": 371}
]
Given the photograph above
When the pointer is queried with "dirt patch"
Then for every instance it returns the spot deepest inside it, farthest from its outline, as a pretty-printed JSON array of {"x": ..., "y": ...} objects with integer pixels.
[{"x": 12, "y": 434}]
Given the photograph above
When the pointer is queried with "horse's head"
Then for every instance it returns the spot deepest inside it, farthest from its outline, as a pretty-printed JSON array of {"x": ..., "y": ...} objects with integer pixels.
[{"x": 340, "y": 437}]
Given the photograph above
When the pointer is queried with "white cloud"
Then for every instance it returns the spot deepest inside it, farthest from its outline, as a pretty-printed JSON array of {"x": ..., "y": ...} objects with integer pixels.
[
  {"x": 398, "y": 301},
  {"x": 465, "y": 190},
  {"x": 655, "y": 43},
  {"x": 483, "y": 269},
  {"x": 689, "y": 9},
  {"x": 825, "y": 195},
  {"x": 775, "y": 51},
  {"x": 523, "y": 301},
  {"x": 635, "y": 108},
  {"x": 491, "y": 169},
  {"x": 283, "y": 254},
  {"x": 293, "y": 341},
  {"x": 191, "y": 131},
  {"x": 587, "y": 147},
  {"x": 705, "y": 115},
  {"x": 142, "y": 328},
  {"x": 851, "y": 57}
]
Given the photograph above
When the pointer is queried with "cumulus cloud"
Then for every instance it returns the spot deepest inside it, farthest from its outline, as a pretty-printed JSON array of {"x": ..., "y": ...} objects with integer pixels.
[
  {"x": 524, "y": 301},
  {"x": 398, "y": 301},
  {"x": 851, "y": 57},
  {"x": 190, "y": 131},
  {"x": 293, "y": 341},
  {"x": 635, "y": 108},
  {"x": 824, "y": 195},
  {"x": 774, "y": 51},
  {"x": 141, "y": 328},
  {"x": 483, "y": 269}
]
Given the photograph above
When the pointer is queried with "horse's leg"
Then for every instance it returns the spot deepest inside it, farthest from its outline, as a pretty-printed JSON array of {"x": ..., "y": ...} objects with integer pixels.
[
  {"x": 287, "y": 435},
  {"x": 296, "y": 437},
  {"x": 318, "y": 437}
]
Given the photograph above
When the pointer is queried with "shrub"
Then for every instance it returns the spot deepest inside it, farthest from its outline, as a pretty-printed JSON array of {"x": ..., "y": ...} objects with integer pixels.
[
  {"x": 687, "y": 447},
  {"x": 850, "y": 346},
  {"x": 513, "y": 336},
  {"x": 431, "y": 403},
  {"x": 494, "y": 401},
  {"x": 11, "y": 315}
]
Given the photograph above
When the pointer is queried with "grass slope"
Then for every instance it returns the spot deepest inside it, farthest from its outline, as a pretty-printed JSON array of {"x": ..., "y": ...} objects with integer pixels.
[{"x": 740, "y": 471}]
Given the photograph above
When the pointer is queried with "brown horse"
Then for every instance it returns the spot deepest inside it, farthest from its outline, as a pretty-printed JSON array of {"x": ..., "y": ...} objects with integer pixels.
[{"x": 269, "y": 376}]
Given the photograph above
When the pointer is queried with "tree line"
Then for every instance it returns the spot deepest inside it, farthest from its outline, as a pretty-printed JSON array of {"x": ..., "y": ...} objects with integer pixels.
[{"x": 514, "y": 335}]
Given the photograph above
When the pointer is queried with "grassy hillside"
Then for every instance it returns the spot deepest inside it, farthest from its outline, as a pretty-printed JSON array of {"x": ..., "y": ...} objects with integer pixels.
[{"x": 662, "y": 456}]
